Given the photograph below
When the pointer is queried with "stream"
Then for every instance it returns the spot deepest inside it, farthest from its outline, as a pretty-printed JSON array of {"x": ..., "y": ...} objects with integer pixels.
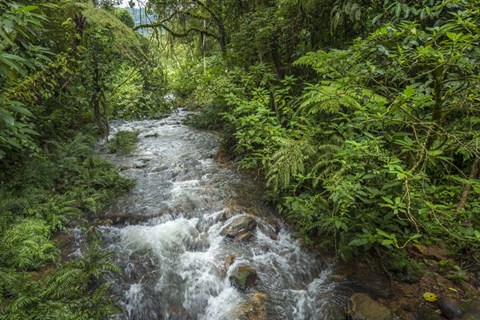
[{"x": 168, "y": 236}]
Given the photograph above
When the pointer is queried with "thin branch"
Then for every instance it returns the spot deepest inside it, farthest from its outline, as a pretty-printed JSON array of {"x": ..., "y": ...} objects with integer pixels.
[{"x": 175, "y": 33}]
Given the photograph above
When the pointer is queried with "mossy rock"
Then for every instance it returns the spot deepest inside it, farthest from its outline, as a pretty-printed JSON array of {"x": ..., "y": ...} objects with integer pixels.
[
  {"x": 255, "y": 308},
  {"x": 243, "y": 277},
  {"x": 362, "y": 307}
]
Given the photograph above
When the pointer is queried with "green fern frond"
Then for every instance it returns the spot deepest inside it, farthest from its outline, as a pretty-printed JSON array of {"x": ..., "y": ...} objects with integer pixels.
[
  {"x": 328, "y": 98},
  {"x": 26, "y": 245},
  {"x": 325, "y": 164},
  {"x": 329, "y": 65},
  {"x": 288, "y": 162},
  {"x": 22, "y": 303},
  {"x": 64, "y": 284},
  {"x": 12, "y": 281}
]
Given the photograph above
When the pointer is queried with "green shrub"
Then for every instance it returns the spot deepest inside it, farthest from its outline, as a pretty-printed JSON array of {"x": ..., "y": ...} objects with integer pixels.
[
  {"x": 124, "y": 142},
  {"x": 65, "y": 187},
  {"x": 26, "y": 245}
]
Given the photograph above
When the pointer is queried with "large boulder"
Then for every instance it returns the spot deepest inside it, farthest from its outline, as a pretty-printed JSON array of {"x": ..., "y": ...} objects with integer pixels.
[
  {"x": 243, "y": 277},
  {"x": 361, "y": 307},
  {"x": 241, "y": 228},
  {"x": 358, "y": 277}
]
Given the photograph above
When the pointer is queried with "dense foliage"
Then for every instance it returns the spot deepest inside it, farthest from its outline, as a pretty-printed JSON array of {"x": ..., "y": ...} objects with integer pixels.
[
  {"x": 66, "y": 67},
  {"x": 378, "y": 148},
  {"x": 65, "y": 189},
  {"x": 362, "y": 117}
]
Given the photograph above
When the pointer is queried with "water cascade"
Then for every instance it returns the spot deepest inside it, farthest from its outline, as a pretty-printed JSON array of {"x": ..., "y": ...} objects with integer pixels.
[{"x": 195, "y": 240}]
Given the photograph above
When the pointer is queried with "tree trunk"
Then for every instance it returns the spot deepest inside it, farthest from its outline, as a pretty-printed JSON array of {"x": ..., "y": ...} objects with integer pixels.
[
  {"x": 467, "y": 187},
  {"x": 100, "y": 120}
]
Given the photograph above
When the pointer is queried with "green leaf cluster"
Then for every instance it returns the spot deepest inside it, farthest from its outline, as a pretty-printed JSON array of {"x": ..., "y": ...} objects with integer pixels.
[
  {"x": 63, "y": 189},
  {"x": 380, "y": 148}
]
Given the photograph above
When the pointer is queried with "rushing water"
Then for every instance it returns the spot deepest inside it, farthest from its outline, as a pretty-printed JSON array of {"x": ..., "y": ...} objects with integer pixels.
[{"x": 166, "y": 235}]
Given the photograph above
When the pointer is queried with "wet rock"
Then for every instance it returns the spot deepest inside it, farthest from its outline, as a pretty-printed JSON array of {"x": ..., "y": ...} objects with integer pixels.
[
  {"x": 106, "y": 222},
  {"x": 450, "y": 308},
  {"x": 151, "y": 135},
  {"x": 362, "y": 307},
  {"x": 361, "y": 278},
  {"x": 140, "y": 163},
  {"x": 161, "y": 168},
  {"x": 229, "y": 261},
  {"x": 243, "y": 237},
  {"x": 255, "y": 308},
  {"x": 239, "y": 226},
  {"x": 333, "y": 312},
  {"x": 243, "y": 277},
  {"x": 473, "y": 311}
]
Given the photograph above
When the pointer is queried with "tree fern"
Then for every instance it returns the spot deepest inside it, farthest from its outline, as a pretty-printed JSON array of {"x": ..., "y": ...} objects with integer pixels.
[
  {"x": 329, "y": 65},
  {"x": 325, "y": 164},
  {"x": 288, "y": 162},
  {"x": 328, "y": 98},
  {"x": 331, "y": 97}
]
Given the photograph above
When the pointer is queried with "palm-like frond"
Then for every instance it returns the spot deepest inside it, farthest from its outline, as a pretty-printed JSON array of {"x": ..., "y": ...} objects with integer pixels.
[{"x": 288, "y": 162}]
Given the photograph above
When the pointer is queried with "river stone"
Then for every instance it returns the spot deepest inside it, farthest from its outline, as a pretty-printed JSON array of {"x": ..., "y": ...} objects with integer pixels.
[
  {"x": 244, "y": 237},
  {"x": 333, "y": 312},
  {"x": 229, "y": 261},
  {"x": 255, "y": 308},
  {"x": 361, "y": 307},
  {"x": 473, "y": 311},
  {"x": 450, "y": 308},
  {"x": 243, "y": 277},
  {"x": 239, "y": 226}
]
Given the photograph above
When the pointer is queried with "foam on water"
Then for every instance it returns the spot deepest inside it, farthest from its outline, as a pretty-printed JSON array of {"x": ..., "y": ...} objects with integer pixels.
[{"x": 167, "y": 235}]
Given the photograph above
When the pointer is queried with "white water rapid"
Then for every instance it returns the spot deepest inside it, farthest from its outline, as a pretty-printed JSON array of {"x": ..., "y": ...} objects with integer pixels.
[{"x": 167, "y": 237}]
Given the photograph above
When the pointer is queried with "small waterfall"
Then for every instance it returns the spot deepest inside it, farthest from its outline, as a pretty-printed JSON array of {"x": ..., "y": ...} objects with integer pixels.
[{"x": 170, "y": 236}]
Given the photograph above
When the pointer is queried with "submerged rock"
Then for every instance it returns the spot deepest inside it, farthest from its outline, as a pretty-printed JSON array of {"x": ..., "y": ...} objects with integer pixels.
[
  {"x": 243, "y": 277},
  {"x": 450, "y": 308},
  {"x": 362, "y": 307},
  {"x": 255, "y": 308},
  {"x": 241, "y": 228}
]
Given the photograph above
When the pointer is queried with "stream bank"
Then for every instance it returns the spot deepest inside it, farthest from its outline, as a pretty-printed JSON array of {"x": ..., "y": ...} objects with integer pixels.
[{"x": 195, "y": 240}]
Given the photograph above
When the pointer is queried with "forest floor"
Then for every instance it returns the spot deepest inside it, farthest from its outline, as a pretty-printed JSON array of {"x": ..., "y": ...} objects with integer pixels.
[{"x": 438, "y": 273}]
